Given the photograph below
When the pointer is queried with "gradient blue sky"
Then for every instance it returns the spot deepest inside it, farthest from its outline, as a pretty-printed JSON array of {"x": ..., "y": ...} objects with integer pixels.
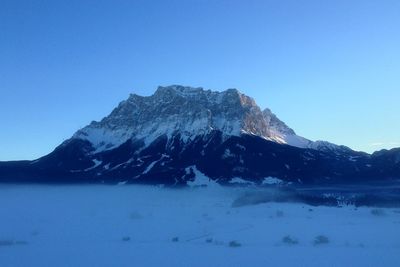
[{"x": 329, "y": 69}]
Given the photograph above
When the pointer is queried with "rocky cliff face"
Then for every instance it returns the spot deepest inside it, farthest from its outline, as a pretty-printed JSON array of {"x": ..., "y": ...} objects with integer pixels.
[{"x": 174, "y": 110}]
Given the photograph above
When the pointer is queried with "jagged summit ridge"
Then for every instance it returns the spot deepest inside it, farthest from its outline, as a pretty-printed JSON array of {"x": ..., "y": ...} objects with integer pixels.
[
  {"x": 176, "y": 109},
  {"x": 189, "y": 112}
]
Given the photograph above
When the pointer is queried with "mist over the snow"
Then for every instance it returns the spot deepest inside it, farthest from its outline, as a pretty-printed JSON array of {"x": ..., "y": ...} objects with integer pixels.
[{"x": 148, "y": 225}]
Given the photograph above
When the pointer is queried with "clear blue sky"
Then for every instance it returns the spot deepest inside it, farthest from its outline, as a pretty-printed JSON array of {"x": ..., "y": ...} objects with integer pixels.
[{"x": 329, "y": 69}]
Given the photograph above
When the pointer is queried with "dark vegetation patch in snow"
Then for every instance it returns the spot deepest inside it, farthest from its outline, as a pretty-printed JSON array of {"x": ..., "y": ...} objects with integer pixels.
[
  {"x": 126, "y": 239},
  {"x": 378, "y": 212},
  {"x": 234, "y": 244},
  {"x": 321, "y": 240},
  {"x": 6, "y": 243},
  {"x": 289, "y": 240},
  {"x": 135, "y": 216},
  {"x": 280, "y": 214},
  {"x": 319, "y": 197}
]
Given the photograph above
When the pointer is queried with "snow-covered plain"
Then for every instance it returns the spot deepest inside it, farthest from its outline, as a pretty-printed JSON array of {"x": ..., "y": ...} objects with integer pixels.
[{"x": 151, "y": 226}]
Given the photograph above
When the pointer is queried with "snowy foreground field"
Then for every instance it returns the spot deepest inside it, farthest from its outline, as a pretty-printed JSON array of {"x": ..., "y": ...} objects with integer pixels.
[{"x": 150, "y": 226}]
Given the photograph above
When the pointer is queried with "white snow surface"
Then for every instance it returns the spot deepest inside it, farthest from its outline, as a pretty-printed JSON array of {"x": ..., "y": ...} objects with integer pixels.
[{"x": 85, "y": 226}]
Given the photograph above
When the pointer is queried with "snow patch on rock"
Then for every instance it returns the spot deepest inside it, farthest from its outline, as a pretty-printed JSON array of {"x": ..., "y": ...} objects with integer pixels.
[
  {"x": 272, "y": 181},
  {"x": 200, "y": 179},
  {"x": 237, "y": 180},
  {"x": 96, "y": 163}
]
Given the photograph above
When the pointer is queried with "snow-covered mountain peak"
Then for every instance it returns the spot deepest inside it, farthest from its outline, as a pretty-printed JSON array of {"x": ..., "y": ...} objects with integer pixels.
[{"x": 188, "y": 112}]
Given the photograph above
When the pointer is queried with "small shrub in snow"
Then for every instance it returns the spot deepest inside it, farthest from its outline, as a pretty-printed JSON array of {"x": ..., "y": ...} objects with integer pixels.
[
  {"x": 288, "y": 240},
  {"x": 4, "y": 243},
  {"x": 126, "y": 239},
  {"x": 34, "y": 233},
  {"x": 279, "y": 214},
  {"x": 377, "y": 212},
  {"x": 209, "y": 240},
  {"x": 234, "y": 244},
  {"x": 175, "y": 239},
  {"x": 135, "y": 216},
  {"x": 321, "y": 240}
]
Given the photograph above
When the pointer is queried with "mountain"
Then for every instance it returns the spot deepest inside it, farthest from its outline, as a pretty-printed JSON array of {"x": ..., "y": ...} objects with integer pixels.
[
  {"x": 190, "y": 112},
  {"x": 185, "y": 135}
]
